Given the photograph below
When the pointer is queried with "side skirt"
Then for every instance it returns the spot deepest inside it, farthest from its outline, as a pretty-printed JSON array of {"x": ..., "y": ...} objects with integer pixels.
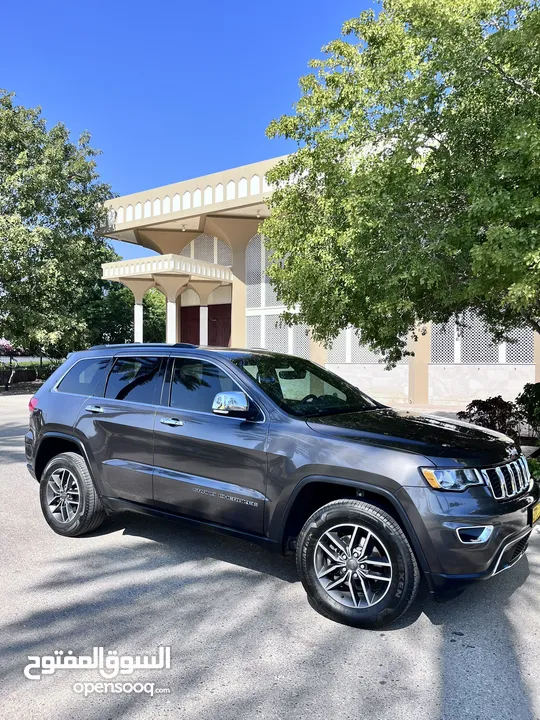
[{"x": 117, "y": 505}]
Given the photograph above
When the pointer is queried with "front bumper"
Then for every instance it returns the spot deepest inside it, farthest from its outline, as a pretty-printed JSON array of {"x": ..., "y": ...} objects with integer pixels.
[{"x": 436, "y": 516}]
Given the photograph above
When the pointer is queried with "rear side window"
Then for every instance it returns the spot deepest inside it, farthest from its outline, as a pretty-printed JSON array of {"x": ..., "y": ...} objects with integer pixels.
[
  {"x": 83, "y": 377},
  {"x": 195, "y": 383},
  {"x": 137, "y": 379}
]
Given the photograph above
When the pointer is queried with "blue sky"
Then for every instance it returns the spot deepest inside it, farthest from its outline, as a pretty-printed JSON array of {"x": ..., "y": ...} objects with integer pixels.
[{"x": 169, "y": 90}]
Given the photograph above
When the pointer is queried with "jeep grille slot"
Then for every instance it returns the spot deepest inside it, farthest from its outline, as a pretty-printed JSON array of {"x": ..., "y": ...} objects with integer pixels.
[{"x": 508, "y": 481}]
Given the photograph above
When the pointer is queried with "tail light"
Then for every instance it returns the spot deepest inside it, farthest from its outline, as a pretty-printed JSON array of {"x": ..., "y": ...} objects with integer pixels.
[{"x": 32, "y": 405}]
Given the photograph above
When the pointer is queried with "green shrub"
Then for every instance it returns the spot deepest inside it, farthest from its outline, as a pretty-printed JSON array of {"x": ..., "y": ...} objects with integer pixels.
[
  {"x": 534, "y": 468},
  {"x": 43, "y": 371},
  {"x": 529, "y": 404},
  {"x": 46, "y": 370},
  {"x": 494, "y": 413}
]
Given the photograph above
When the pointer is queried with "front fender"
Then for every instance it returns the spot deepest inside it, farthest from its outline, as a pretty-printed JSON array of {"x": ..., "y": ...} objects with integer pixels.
[{"x": 284, "y": 506}]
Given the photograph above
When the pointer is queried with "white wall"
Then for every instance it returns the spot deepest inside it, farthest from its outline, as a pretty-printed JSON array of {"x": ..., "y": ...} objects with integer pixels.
[
  {"x": 459, "y": 384},
  {"x": 387, "y": 386}
]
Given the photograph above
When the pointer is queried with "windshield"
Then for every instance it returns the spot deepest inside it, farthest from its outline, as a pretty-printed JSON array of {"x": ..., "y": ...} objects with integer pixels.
[{"x": 302, "y": 388}]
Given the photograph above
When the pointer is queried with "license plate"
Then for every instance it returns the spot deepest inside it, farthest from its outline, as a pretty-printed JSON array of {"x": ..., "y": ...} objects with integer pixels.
[{"x": 536, "y": 513}]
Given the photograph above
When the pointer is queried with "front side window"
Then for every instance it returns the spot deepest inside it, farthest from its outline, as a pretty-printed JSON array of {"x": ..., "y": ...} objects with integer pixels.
[
  {"x": 195, "y": 383},
  {"x": 82, "y": 378},
  {"x": 302, "y": 388},
  {"x": 136, "y": 379}
]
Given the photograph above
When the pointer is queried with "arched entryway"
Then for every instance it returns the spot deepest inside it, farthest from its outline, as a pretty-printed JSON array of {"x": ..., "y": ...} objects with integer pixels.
[{"x": 211, "y": 313}]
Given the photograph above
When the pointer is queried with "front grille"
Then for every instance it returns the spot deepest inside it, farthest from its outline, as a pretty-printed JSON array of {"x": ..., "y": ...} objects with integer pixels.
[{"x": 508, "y": 481}]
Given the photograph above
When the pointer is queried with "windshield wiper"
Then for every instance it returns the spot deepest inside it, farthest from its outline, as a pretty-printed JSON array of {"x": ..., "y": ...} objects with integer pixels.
[{"x": 338, "y": 411}]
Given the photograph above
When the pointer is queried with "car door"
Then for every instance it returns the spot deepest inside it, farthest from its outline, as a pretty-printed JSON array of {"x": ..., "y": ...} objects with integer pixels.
[
  {"x": 208, "y": 466},
  {"x": 118, "y": 425}
]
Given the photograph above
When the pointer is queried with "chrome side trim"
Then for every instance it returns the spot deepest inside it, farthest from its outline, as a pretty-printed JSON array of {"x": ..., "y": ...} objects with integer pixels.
[{"x": 202, "y": 482}]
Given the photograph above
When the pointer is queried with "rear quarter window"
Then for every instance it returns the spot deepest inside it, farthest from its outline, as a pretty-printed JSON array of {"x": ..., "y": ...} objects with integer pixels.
[{"x": 82, "y": 378}]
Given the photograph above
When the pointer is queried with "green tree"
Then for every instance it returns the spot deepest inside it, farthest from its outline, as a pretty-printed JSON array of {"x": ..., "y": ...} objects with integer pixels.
[
  {"x": 110, "y": 316},
  {"x": 414, "y": 192},
  {"x": 51, "y": 209},
  {"x": 154, "y": 316}
]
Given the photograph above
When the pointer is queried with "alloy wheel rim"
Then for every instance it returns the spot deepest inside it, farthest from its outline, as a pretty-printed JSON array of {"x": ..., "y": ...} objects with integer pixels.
[
  {"x": 63, "y": 495},
  {"x": 353, "y": 565}
]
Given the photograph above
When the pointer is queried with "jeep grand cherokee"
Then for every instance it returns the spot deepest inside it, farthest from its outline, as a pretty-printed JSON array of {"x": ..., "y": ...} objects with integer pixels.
[{"x": 278, "y": 450}]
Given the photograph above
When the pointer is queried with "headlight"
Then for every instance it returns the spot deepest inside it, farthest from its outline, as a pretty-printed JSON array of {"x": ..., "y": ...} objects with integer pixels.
[{"x": 452, "y": 479}]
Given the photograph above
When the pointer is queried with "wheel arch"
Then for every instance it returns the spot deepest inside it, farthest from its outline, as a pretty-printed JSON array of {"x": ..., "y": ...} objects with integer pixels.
[
  {"x": 332, "y": 487},
  {"x": 54, "y": 443}
]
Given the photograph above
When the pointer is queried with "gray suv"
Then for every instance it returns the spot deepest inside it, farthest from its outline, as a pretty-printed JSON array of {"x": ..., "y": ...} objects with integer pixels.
[{"x": 277, "y": 450}]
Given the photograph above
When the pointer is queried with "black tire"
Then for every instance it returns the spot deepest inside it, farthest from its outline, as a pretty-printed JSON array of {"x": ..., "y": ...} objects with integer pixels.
[
  {"x": 396, "y": 594},
  {"x": 89, "y": 513}
]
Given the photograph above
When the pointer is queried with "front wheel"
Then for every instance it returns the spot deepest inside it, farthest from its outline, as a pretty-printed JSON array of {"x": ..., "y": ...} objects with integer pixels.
[{"x": 356, "y": 564}]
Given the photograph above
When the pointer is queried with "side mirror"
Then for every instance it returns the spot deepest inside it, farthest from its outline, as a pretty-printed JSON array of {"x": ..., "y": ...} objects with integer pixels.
[{"x": 233, "y": 403}]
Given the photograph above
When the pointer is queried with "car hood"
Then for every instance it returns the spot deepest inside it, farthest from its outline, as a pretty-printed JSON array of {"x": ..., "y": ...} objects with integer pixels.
[{"x": 437, "y": 438}]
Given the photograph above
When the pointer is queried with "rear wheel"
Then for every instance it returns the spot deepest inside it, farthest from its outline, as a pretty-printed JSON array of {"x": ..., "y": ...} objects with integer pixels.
[
  {"x": 356, "y": 564},
  {"x": 69, "y": 501}
]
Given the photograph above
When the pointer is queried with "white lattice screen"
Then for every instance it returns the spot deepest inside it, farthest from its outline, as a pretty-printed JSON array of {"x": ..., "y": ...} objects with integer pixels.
[
  {"x": 262, "y": 327},
  {"x": 300, "y": 341},
  {"x": 520, "y": 348},
  {"x": 203, "y": 248},
  {"x": 276, "y": 336},
  {"x": 254, "y": 294},
  {"x": 253, "y": 331},
  {"x": 224, "y": 254},
  {"x": 362, "y": 353},
  {"x": 337, "y": 352},
  {"x": 347, "y": 348},
  {"x": 270, "y": 294},
  {"x": 443, "y": 340},
  {"x": 470, "y": 343},
  {"x": 209, "y": 249},
  {"x": 477, "y": 346}
]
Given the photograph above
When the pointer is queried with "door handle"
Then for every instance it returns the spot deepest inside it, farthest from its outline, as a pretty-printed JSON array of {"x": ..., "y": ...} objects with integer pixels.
[
  {"x": 173, "y": 422},
  {"x": 94, "y": 408}
]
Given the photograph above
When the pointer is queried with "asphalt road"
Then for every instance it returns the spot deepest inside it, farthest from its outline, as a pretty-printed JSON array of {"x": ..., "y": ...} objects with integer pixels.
[{"x": 244, "y": 641}]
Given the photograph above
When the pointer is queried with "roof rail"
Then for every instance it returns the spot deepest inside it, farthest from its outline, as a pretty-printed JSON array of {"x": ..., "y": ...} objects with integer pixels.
[{"x": 143, "y": 345}]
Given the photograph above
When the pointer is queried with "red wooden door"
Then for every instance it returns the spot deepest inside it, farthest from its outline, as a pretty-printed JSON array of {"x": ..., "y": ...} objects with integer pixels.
[
  {"x": 219, "y": 325},
  {"x": 189, "y": 324}
]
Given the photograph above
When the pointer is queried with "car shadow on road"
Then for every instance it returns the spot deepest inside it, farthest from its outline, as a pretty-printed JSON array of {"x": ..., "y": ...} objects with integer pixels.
[
  {"x": 224, "y": 618},
  {"x": 228, "y": 607},
  {"x": 480, "y": 646},
  {"x": 182, "y": 541}
]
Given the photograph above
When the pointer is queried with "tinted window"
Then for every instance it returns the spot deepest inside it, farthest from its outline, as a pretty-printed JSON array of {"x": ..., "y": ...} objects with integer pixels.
[
  {"x": 195, "y": 383},
  {"x": 301, "y": 387},
  {"x": 136, "y": 379},
  {"x": 83, "y": 377}
]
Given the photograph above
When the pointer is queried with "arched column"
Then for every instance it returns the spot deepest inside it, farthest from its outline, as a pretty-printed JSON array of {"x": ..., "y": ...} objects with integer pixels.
[
  {"x": 237, "y": 232},
  {"x": 138, "y": 287},
  {"x": 171, "y": 286}
]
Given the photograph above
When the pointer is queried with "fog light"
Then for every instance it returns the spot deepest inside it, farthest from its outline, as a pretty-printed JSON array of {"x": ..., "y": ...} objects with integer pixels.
[{"x": 475, "y": 535}]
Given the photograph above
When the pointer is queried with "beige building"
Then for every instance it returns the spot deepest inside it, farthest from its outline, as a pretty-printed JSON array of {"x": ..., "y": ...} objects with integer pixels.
[{"x": 211, "y": 269}]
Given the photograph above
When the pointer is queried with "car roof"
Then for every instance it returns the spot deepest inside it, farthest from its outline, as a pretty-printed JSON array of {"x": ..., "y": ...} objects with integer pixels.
[{"x": 227, "y": 352}]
